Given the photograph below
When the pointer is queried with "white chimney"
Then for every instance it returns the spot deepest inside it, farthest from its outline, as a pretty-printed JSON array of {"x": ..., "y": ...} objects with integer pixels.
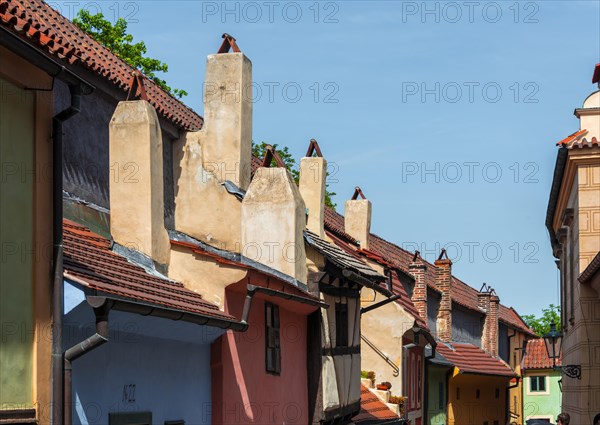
[
  {"x": 357, "y": 218},
  {"x": 313, "y": 172},
  {"x": 273, "y": 220},
  {"x": 136, "y": 181},
  {"x": 227, "y": 142},
  {"x": 221, "y": 151}
]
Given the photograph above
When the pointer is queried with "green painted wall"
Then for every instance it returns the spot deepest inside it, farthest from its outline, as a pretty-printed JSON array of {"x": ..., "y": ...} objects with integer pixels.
[
  {"x": 536, "y": 405},
  {"x": 16, "y": 245},
  {"x": 436, "y": 377}
]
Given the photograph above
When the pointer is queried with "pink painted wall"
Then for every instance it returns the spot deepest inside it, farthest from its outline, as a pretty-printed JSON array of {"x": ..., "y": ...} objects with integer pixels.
[{"x": 242, "y": 390}]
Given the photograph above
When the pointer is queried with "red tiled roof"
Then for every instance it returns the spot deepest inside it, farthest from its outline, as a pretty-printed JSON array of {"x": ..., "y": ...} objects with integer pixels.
[
  {"x": 462, "y": 293},
  {"x": 471, "y": 359},
  {"x": 372, "y": 409},
  {"x": 509, "y": 316},
  {"x": 89, "y": 259},
  {"x": 43, "y": 27},
  {"x": 397, "y": 287},
  {"x": 536, "y": 356},
  {"x": 571, "y": 137}
]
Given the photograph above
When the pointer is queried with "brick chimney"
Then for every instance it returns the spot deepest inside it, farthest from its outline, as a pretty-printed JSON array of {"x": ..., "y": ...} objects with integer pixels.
[
  {"x": 221, "y": 151},
  {"x": 274, "y": 219},
  {"x": 418, "y": 268},
  {"x": 136, "y": 185},
  {"x": 443, "y": 278},
  {"x": 313, "y": 172},
  {"x": 488, "y": 302},
  {"x": 357, "y": 213}
]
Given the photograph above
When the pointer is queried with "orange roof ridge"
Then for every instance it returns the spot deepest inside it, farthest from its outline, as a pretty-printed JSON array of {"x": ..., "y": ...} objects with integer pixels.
[{"x": 38, "y": 24}]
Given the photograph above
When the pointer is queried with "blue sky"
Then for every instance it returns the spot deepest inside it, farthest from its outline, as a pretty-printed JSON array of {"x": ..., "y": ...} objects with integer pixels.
[{"x": 446, "y": 114}]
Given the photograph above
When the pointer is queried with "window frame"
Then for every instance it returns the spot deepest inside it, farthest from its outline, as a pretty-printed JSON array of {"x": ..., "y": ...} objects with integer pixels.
[
  {"x": 272, "y": 339},
  {"x": 341, "y": 325},
  {"x": 538, "y": 377}
]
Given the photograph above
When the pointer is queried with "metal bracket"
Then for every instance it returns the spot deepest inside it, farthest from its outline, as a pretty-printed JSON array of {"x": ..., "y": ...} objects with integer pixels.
[
  {"x": 357, "y": 192},
  {"x": 137, "y": 81},
  {"x": 571, "y": 370},
  {"x": 228, "y": 44},
  {"x": 312, "y": 148},
  {"x": 270, "y": 155}
]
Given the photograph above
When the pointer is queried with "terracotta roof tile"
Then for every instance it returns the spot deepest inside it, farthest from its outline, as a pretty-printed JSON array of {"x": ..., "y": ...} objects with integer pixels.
[
  {"x": 469, "y": 358},
  {"x": 397, "y": 287},
  {"x": 43, "y": 27},
  {"x": 88, "y": 257},
  {"x": 571, "y": 137},
  {"x": 462, "y": 293},
  {"x": 536, "y": 356},
  {"x": 372, "y": 409}
]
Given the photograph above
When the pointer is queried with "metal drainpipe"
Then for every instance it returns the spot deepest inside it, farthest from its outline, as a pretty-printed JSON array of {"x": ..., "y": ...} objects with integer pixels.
[
  {"x": 57, "y": 238},
  {"x": 78, "y": 350},
  {"x": 507, "y": 404}
]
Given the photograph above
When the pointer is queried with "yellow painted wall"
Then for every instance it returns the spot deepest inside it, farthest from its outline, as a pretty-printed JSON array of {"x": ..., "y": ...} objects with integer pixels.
[
  {"x": 26, "y": 221},
  {"x": 465, "y": 408}
]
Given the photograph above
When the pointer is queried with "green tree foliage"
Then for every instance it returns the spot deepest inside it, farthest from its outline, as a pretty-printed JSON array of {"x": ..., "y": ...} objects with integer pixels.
[
  {"x": 115, "y": 38},
  {"x": 259, "y": 150},
  {"x": 541, "y": 324}
]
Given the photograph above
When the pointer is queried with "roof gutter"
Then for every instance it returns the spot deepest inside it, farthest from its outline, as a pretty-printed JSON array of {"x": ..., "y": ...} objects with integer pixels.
[
  {"x": 559, "y": 171},
  {"x": 379, "y": 304},
  {"x": 253, "y": 290},
  {"x": 35, "y": 56},
  {"x": 361, "y": 280}
]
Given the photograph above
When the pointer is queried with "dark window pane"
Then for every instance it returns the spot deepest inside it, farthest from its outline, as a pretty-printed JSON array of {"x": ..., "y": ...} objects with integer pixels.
[
  {"x": 341, "y": 325},
  {"x": 272, "y": 339}
]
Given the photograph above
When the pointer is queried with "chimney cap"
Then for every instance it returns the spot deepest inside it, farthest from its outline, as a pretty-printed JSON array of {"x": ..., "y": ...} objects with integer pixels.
[
  {"x": 228, "y": 43},
  {"x": 358, "y": 192},
  {"x": 137, "y": 82},
  {"x": 596, "y": 76},
  {"x": 312, "y": 148},
  {"x": 270, "y": 155}
]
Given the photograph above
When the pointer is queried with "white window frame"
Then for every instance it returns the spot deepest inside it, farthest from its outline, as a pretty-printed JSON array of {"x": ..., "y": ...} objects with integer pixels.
[
  {"x": 550, "y": 418},
  {"x": 534, "y": 393}
]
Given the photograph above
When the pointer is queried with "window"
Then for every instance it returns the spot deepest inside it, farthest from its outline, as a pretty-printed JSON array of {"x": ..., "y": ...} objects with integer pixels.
[
  {"x": 458, "y": 393},
  {"x": 441, "y": 396},
  {"x": 537, "y": 384},
  {"x": 497, "y": 393},
  {"x": 272, "y": 339},
  {"x": 419, "y": 377},
  {"x": 477, "y": 393},
  {"x": 341, "y": 325},
  {"x": 137, "y": 418}
]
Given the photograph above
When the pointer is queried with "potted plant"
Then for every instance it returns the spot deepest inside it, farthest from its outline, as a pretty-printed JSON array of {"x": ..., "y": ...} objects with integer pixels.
[
  {"x": 384, "y": 386},
  {"x": 371, "y": 376}
]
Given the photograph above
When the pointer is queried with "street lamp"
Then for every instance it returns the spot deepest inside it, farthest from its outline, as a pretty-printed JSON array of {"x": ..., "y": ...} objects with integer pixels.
[{"x": 553, "y": 341}]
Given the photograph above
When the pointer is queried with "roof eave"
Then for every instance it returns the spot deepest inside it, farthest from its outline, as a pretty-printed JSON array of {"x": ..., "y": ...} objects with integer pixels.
[{"x": 559, "y": 171}]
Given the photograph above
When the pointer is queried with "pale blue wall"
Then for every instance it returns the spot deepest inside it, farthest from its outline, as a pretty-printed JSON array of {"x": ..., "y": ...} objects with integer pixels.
[{"x": 167, "y": 361}]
